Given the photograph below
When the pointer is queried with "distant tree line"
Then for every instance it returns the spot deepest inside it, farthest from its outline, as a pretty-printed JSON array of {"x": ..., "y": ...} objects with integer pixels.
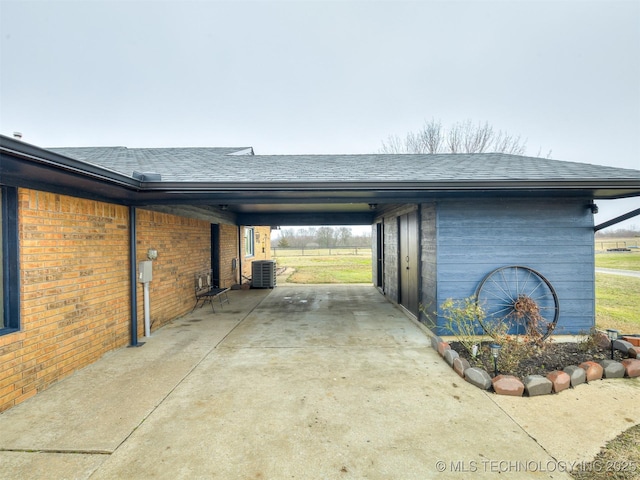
[
  {"x": 629, "y": 232},
  {"x": 321, "y": 237}
]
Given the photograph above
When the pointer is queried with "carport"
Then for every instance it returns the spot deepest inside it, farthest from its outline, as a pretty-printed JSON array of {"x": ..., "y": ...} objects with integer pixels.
[
  {"x": 304, "y": 382},
  {"x": 440, "y": 223},
  {"x": 72, "y": 239}
]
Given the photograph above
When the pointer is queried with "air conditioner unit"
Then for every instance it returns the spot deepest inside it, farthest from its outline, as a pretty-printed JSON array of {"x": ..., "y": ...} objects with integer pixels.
[{"x": 263, "y": 274}]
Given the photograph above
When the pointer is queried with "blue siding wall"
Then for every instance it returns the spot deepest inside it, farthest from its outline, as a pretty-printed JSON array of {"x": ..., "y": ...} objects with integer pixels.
[{"x": 553, "y": 236}]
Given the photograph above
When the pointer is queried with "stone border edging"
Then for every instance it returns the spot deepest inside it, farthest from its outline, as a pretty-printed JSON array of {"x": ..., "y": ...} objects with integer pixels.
[{"x": 554, "y": 382}]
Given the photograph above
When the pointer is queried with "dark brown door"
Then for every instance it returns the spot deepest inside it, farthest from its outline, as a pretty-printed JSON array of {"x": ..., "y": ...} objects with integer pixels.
[{"x": 408, "y": 259}]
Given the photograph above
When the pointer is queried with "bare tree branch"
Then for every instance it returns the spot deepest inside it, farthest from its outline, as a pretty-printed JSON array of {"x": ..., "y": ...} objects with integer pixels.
[{"x": 461, "y": 137}]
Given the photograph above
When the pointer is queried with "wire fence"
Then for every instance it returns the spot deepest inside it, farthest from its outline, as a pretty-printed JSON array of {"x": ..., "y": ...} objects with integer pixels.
[
  {"x": 319, "y": 251},
  {"x": 616, "y": 244}
]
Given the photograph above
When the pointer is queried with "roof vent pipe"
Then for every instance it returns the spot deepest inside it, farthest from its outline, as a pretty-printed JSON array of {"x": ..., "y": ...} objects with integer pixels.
[{"x": 17, "y": 135}]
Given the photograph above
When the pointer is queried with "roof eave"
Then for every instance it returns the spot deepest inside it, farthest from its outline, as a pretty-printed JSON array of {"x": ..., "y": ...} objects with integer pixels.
[
  {"x": 46, "y": 158},
  {"x": 626, "y": 187}
]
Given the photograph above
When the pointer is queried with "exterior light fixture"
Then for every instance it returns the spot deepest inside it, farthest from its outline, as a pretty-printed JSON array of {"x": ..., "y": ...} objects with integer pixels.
[
  {"x": 593, "y": 207},
  {"x": 613, "y": 336},
  {"x": 495, "y": 352},
  {"x": 373, "y": 206},
  {"x": 152, "y": 254}
]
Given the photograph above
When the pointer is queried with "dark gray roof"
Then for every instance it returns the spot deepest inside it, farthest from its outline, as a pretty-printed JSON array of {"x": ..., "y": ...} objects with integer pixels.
[
  {"x": 219, "y": 165},
  {"x": 160, "y": 160},
  {"x": 297, "y": 189}
]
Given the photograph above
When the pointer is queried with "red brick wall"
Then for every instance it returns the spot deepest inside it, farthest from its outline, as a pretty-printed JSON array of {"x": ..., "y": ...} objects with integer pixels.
[
  {"x": 74, "y": 283},
  {"x": 184, "y": 248},
  {"x": 74, "y": 291}
]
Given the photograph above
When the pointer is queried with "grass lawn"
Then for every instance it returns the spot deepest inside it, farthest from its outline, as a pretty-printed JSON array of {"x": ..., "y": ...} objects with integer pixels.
[
  {"x": 618, "y": 303},
  {"x": 327, "y": 269},
  {"x": 619, "y": 260},
  {"x": 618, "y": 297},
  {"x": 622, "y": 452}
]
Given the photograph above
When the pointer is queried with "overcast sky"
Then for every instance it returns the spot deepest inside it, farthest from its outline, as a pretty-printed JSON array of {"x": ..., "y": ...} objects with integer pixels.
[{"x": 324, "y": 77}]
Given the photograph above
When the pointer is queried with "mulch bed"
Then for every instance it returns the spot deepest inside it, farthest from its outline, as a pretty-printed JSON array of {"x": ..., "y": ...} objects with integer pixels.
[{"x": 552, "y": 356}]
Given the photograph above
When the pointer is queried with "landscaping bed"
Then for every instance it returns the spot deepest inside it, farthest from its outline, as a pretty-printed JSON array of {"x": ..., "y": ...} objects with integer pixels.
[
  {"x": 540, "y": 360},
  {"x": 525, "y": 368}
]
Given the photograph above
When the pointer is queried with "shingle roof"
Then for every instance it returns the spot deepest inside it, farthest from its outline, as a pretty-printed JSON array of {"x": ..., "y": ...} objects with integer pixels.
[
  {"x": 170, "y": 162},
  {"x": 219, "y": 165}
]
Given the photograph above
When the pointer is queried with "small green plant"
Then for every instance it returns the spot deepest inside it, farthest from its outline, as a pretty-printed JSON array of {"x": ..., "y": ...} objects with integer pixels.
[
  {"x": 461, "y": 320},
  {"x": 587, "y": 341},
  {"x": 513, "y": 351}
]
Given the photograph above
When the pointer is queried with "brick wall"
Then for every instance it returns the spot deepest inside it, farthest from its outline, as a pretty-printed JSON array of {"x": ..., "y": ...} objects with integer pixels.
[
  {"x": 74, "y": 291},
  {"x": 184, "y": 248},
  {"x": 74, "y": 283}
]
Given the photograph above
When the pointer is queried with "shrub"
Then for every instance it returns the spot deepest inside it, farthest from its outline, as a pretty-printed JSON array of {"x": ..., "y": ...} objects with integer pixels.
[{"x": 461, "y": 320}]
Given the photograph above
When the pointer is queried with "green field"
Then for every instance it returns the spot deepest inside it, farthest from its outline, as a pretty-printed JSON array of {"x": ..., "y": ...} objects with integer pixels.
[
  {"x": 618, "y": 297},
  {"x": 619, "y": 260},
  {"x": 326, "y": 269},
  {"x": 618, "y": 303}
]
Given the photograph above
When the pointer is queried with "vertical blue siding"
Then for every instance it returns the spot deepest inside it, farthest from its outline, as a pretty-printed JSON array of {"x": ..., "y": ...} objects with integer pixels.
[{"x": 553, "y": 236}]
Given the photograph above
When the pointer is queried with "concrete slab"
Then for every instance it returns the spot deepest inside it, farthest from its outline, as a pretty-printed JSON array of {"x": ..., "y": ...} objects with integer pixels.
[
  {"x": 326, "y": 316},
  {"x": 320, "y": 413},
  {"x": 576, "y": 423},
  {"x": 304, "y": 382},
  {"x": 39, "y": 465},
  {"x": 96, "y": 409}
]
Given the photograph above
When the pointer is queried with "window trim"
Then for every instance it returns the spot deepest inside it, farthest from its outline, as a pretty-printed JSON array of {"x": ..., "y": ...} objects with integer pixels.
[
  {"x": 249, "y": 241},
  {"x": 10, "y": 266}
]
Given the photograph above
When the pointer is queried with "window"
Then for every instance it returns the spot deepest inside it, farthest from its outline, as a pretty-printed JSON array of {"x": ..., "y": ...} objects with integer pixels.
[
  {"x": 10, "y": 304},
  {"x": 249, "y": 242}
]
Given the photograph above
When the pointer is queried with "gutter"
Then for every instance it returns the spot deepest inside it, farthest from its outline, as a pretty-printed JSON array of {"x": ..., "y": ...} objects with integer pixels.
[
  {"x": 37, "y": 155},
  {"x": 173, "y": 187}
]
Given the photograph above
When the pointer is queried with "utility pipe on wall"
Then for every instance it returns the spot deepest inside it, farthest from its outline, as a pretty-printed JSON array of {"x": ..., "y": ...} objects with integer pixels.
[
  {"x": 145, "y": 275},
  {"x": 132, "y": 276},
  {"x": 147, "y": 314}
]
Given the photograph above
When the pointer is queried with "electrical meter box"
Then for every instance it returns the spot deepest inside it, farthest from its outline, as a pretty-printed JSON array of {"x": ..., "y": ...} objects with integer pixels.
[{"x": 144, "y": 271}]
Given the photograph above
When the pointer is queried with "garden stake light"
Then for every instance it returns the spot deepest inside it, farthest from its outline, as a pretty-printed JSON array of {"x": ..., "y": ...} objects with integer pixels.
[
  {"x": 613, "y": 336},
  {"x": 495, "y": 351}
]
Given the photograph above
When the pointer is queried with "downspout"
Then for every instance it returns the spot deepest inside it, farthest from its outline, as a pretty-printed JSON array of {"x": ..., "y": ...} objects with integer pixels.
[
  {"x": 133, "y": 278},
  {"x": 240, "y": 239}
]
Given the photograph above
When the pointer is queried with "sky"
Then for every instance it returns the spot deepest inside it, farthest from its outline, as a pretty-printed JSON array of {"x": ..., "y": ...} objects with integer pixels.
[{"x": 324, "y": 77}]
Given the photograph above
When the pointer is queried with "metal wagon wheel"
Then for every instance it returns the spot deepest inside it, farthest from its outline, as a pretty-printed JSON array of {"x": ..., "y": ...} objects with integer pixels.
[{"x": 520, "y": 297}]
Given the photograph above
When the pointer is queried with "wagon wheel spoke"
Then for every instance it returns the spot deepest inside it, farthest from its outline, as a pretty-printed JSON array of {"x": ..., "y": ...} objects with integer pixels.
[{"x": 519, "y": 297}]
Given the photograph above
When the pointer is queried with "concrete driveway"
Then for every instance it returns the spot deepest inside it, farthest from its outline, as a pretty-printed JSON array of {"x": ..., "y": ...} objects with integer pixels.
[{"x": 305, "y": 382}]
